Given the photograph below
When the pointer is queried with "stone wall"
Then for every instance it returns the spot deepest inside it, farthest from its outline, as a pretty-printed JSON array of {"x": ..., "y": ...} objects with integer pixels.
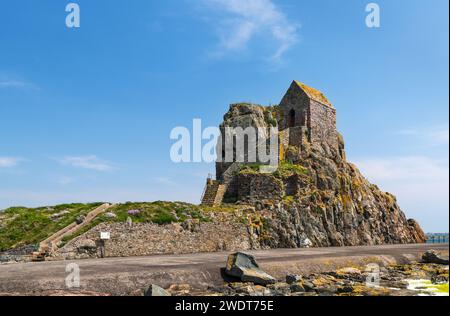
[
  {"x": 323, "y": 125},
  {"x": 226, "y": 232},
  {"x": 259, "y": 187},
  {"x": 297, "y": 100},
  {"x": 320, "y": 119}
]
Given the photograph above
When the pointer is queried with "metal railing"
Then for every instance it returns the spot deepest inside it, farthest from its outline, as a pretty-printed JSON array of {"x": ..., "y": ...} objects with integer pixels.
[
  {"x": 210, "y": 177},
  {"x": 437, "y": 238}
]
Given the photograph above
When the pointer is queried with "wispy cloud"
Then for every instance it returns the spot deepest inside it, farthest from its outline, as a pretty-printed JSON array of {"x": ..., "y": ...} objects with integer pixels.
[
  {"x": 164, "y": 180},
  {"x": 65, "y": 180},
  {"x": 433, "y": 136},
  {"x": 8, "y": 82},
  {"x": 9, "y": 162},
  {"x": 240, "y": 21},
  {"x": 12, "y": 84},
  {"x": 420, "y": 183},
  {"x": 88, "y": 162},
  {"x": 409, "y": 168}
]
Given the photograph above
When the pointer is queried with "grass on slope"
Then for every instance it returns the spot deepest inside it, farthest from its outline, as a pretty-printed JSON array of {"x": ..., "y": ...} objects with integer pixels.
[
  {"x": 158, "y": 212},
  {"x": 21, "y": 226}
]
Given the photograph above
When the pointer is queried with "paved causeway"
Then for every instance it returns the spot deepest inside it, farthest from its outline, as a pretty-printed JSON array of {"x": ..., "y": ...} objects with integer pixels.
[{"x": 123, "y": 275}]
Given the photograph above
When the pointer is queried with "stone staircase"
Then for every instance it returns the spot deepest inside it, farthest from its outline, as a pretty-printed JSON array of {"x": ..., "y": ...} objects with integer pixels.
[
  {"x": 214, "y": 193},
  {"x": 49, "y": 245},
  {"x": 215, "y": 189}
]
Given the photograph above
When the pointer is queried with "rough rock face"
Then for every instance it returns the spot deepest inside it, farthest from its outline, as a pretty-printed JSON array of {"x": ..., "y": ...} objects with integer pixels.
[
  {"x": 244, "y": 267},
  {"x": 223, "y": 232},
  {"x": 243, "y": 115},
  {"x": 317, "y": 196}
]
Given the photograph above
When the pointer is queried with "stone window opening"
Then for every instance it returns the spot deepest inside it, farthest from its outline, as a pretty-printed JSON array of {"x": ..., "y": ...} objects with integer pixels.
[{"x": 291, "y": 186}]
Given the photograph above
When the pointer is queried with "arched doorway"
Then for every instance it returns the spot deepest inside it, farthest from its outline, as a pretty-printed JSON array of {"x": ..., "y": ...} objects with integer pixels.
[{"x": 291, "y": 119}]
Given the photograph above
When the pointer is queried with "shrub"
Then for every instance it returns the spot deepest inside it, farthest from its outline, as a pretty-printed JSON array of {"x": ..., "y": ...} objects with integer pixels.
[{"x": 134, "y": 212}]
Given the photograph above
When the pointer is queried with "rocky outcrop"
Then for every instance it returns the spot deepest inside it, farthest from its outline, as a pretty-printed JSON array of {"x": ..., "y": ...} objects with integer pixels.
[
  {"x": 316, "y": 197},
  {"x": 241, "y": 115}
]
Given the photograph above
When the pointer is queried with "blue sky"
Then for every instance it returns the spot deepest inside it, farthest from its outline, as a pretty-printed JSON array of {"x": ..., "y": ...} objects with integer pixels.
[{"x": 85, "y": 114}]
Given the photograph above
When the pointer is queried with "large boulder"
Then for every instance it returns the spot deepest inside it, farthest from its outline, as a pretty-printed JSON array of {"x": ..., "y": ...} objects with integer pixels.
[
  {"x": 155, "y": 290},
  {"x": 244, "y": 267},
  {"x": 432, "y": 256}
]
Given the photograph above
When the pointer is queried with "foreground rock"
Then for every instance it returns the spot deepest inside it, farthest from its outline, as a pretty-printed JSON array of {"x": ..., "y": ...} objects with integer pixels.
[
  {"x": 155, "y": 290},
  {"x": 432, "y": 256},
  {"x": 293, "y": 278},
  {"x": 416, "y": 279},
  {"x": 244, "y": 267},
  {"x": 393, "y": 280}
]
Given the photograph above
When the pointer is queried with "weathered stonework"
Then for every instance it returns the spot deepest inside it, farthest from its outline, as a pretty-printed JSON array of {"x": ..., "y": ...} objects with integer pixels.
[
  {"x": 306, "y": 107},
  {"x": 226, "y": 232},
  {"x": 315, "y": 195},
  {"x": 258, "y": 187},
  {"x": 323, "y": 125}
]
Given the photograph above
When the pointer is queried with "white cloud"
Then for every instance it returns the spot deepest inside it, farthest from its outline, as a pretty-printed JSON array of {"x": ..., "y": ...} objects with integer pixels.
[
  {"x": 87, "y": 162},
  {"x": 9, "y": 162},
  {"x": 433, "y": 136},
  {"x": 243, "y": 20},
  {"x": 420, "y": 183}
]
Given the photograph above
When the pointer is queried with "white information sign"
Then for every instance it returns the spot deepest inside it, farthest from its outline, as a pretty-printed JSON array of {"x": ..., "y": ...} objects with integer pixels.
[{"x": 105, "y": 235}]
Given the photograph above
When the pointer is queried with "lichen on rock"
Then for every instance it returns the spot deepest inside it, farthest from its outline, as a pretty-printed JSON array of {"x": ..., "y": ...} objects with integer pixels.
[{"x": 315, "y": 194}]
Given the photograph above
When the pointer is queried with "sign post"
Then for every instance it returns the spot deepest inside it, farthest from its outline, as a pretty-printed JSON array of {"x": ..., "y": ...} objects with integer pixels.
[{"x": 104, "y": 236}]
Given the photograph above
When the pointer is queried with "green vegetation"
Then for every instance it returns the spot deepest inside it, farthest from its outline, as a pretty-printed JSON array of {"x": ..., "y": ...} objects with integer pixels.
[
  {"x": 441, "y": 288},
  {"x": 270, "y": 116},
  {"x": 20, "y": 226},
  {"x": 287, "y": 169},
  {"x": 158, "y": 212},
  {"x": 289, "y": 199},
  {"x": 253, "y": 168},
  {"x": 428, "y": 287},
  {"x": 147, "y": 212}
]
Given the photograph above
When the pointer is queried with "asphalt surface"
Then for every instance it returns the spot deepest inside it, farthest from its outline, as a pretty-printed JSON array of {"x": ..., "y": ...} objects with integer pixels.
[{"x": 119, "y": 275}]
